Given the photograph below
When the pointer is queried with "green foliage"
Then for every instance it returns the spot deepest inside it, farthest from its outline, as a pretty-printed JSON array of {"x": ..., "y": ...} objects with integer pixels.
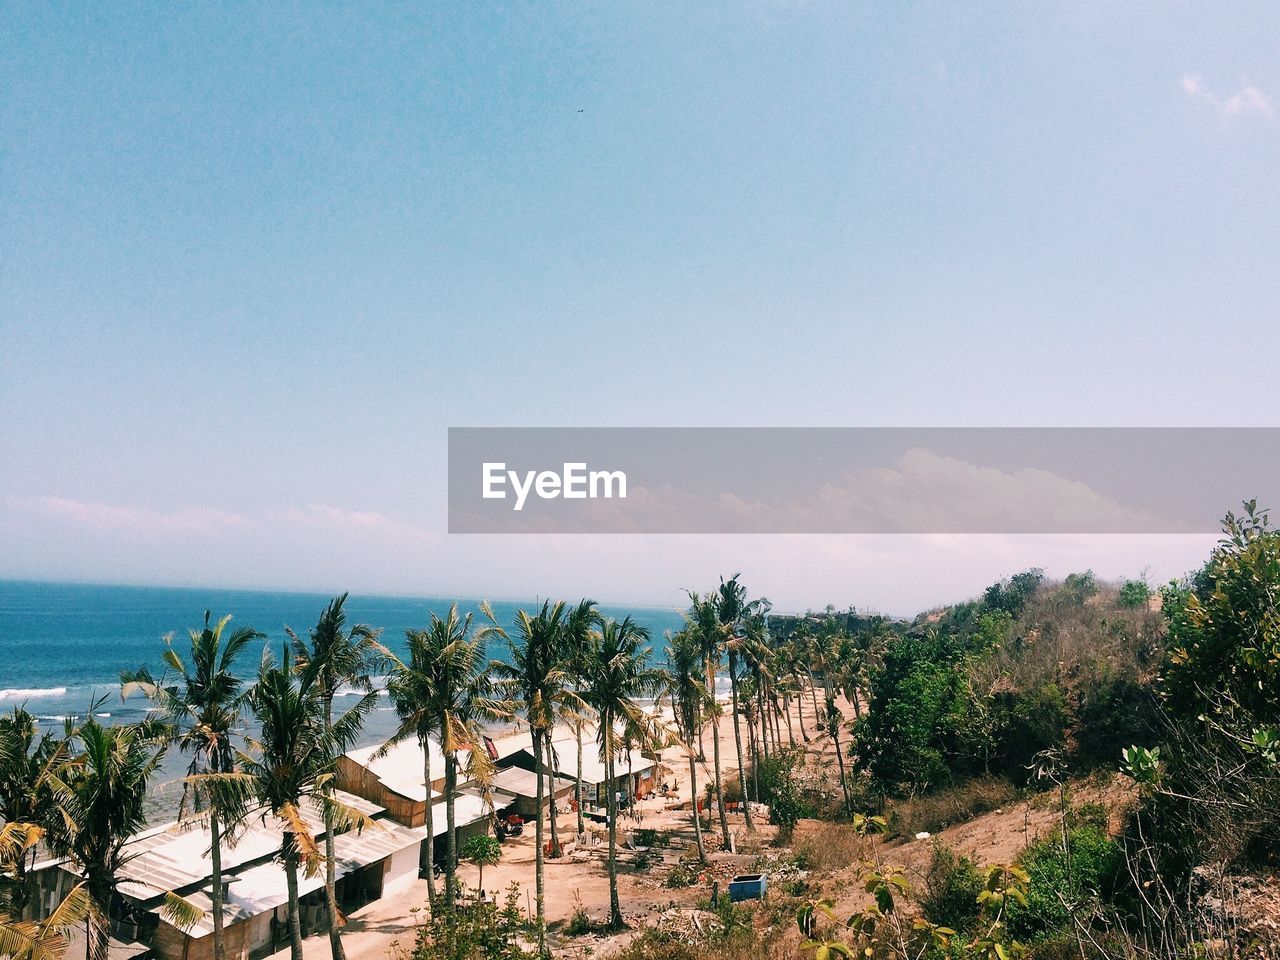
[
  {"x": 952, "y": 885},
  {"x": 1111, "y": 714},
  {"x": 478, "y": 931},
  {"x": 1079, "y": 587},
  {"x": 780, "y": 788},
  {"x": 1011, "y": 596},
  {"x": 909, "y": 735},
  {"x": 482, "y": 850},
  {"x": 1225, "y": 632},
  {"x": 1133, "y": 594},
  {"x": 1083, "y": 868},
  {"x": 683, "y": 874}
]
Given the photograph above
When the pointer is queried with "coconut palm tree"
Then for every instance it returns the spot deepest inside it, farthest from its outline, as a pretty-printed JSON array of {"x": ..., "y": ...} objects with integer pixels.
[
  {"x": 537, "y": 685},
  {"x": 338, "y": 658},
  {"x": 30, "y": 765},
  {"x": 579, "y": 637},
  {"x": 732, "y": 608},
  {"x": 445, "y": 689},
  {"x": 293, "y": 761},
  {"x": 201, "y": 701},
  {"x": 25, "y": 939},
  {"x": 705, "y": 626},
  {"x": 689, "y": 704},
  {"x": 618, "y": 678},
  {"x": 106, "y": 789}
]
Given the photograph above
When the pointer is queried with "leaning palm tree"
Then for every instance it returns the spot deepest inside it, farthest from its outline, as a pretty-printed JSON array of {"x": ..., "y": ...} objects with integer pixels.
[
  {"x": 705, "y": 626},
  {"x": 202, "y": 702},
  {"x": 30, "y": 766},
  {"x": 446, "y": 688},
  {"x": 338, "y": 658},
  {"x": 26, "y": 939},
  {"x": 106, "y": 790},
  {"x": 618, "y": 679},
  {"x": 537, "y": 685},
  {"x": 293, "y": 761},
  {"x": 689, "y": 703}
]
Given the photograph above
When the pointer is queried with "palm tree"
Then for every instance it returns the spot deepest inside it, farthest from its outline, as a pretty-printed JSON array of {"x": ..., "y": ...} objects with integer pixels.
[
  {"x": 705, "y": 626},
  {"x": 202, "y": 704},
  {"x": 294, "y": 760},
  {"x": 731, "y": 609},
  {"x": 106, "y": 790},
  {"x": 689, "y": 703},
  {"x": 30, "y": 765},
  {"x": 338, "y": 658},
  {"x": 618, "y": 677},
  {"x": 24, "y": 939},
  {"x": 537, "y": 684},
  {"x": 579, "y": 637},
  {"x": 445, "y": 689}
]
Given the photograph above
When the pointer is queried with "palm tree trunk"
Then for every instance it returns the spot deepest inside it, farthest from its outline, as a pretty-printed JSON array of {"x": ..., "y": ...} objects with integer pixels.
[
  {"x": 702, "y": 743},
  {"x": 615, "y": 908},
  {"x": 330, "y": 889},
  {"x": 551, "y": 778},
  {"x": 715, "y": 766},
  {"x": 577, "y": 787},
  {"x": 291, "y": 885},
  {"x": 539, "y": 876},
  {"x": 431, "y": 833},
  {"x": 762, "y": 707},
  {"x": 786, "y": 706},
  {"x": 834, "y": 726},
  {"x": 737, "y": 739},
  {"x": 755, "y": 762},
  {"x": 800, "y": 710},
  {"x": 331, "y": 865},
  {"x": 215, "y": 893},
  {"x": 451, "y": 838},
  {"x": 697, "y": 815},
  {"x": 813, "y": 692}
]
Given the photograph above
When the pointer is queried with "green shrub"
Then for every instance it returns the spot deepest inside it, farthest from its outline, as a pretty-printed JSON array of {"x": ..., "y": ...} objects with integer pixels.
[
  {"x": 1133, "y": 594},
  {"x": 1112, "y": 714},
  {"x": 951, "y": 888},
  {"x": 1089, "y": 871},
  {"x": 474, "y": 931}
]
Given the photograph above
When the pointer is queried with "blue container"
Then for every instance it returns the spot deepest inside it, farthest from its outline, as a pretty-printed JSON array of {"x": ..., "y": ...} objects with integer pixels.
[{"x": 748, "y": 886}]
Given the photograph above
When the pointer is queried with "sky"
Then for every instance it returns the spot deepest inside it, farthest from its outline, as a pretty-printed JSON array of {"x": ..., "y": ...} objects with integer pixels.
[{"x": 256, "y": 259}]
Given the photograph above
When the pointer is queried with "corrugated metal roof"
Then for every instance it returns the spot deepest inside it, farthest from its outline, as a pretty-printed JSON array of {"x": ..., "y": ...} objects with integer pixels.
[
  {"x": 261, "y": 889},
  {"x": 524, "y": 783},
  {"x": 176, "y": 855}
]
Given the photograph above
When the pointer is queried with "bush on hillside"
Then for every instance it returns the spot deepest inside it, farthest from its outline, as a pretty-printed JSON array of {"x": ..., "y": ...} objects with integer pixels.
[
  {"x": 952, "y": 884},
  {"x": 1074, "y": 875}
]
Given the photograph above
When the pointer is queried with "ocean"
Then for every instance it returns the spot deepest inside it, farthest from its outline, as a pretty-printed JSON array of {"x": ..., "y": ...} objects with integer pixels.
[{"x": 62, "y": 646}]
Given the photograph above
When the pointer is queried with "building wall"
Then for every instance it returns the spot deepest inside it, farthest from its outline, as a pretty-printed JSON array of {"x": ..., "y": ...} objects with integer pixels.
[
  {"x": 360, "y": 780},
  {"x": 401, "y": 869},
  {"x": 170, "y": 943}
]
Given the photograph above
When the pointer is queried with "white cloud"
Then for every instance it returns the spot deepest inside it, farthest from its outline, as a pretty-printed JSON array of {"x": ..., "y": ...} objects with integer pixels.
[
  {"x": 1248, "y": 101},
  {"x": 105, "y": 517}
]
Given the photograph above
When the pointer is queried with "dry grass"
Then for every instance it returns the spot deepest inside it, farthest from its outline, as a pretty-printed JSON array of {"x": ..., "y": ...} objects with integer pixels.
[
  {"x": 829, "y": 846},
  {"x": 945, "y": 808}
]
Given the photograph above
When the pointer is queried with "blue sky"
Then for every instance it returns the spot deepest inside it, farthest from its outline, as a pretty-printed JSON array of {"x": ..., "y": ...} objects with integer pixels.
[{"x": 257, "y": 259}]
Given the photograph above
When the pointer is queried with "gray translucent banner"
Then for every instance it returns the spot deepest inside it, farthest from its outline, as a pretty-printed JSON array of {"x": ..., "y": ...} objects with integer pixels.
[{"x": 856, "y": 480}]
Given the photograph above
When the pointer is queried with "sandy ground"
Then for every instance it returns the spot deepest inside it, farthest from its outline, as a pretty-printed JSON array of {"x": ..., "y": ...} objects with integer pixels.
[{"x": 580, "y": 879}]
